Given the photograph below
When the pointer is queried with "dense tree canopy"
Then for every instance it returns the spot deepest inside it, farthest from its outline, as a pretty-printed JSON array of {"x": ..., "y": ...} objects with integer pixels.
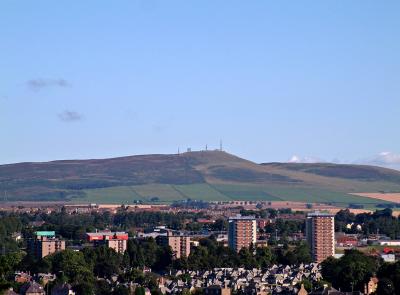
[
  {"x": 82, "y": 269},
  {"x": 351, "y": 271},
  {"x": 381, "y": 221},
  {"x": 389, "y": 278}
]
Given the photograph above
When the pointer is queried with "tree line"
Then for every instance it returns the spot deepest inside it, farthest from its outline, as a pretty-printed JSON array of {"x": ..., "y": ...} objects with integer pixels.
[
  {"x": 353, "y": 270},
  {"x": 380, "y": 221}
]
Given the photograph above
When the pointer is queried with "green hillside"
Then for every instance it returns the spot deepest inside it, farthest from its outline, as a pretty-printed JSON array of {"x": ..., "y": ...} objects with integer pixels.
[
  {"x": 204, "y": 175},
  {"x": 165, "y": 193}
]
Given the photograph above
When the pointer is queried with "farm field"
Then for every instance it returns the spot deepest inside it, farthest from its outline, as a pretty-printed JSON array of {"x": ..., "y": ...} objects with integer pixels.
[
  {"x": 389, "y": 197},
  {"x": 110, "y": 195},
  {"x": 201, "y": 191},
  {"x": 245, "y": 192},
  {"x": 311, "y": 195},
  {"x": 317, "y": 195},
  {"x": 165, "y": 193}
]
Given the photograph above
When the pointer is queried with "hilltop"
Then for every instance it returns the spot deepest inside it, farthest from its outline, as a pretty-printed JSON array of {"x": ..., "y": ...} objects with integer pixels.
[{"x": 207, "y": 175}]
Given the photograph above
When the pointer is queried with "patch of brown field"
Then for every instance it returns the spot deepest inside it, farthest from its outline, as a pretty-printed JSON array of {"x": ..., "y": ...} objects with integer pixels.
[
  {"x": 390, "y": 197},
  {"x": 354, "y": 211},
  {"x": 30, "y": 204},
  {"x": 396, "y": 213},
  {"x": 302, "y": 206}
]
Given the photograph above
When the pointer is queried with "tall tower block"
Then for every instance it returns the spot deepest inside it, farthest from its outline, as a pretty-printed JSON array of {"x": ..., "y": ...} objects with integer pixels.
[
  {"x": 320, "y": 231},
  {"x": 242, "y": 232}
]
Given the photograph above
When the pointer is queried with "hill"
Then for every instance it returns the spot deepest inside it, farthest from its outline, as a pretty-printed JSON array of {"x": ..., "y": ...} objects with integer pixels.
[{"x": 206, "y": 175}]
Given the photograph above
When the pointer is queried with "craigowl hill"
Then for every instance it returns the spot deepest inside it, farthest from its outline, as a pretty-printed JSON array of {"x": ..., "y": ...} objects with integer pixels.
[{"x": 203, "y": 175}]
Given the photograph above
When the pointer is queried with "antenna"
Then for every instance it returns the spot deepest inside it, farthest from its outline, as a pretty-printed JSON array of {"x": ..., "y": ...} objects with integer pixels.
[
  {"x": 220, "y": 145},
  {"x": 178, "y": 151}
]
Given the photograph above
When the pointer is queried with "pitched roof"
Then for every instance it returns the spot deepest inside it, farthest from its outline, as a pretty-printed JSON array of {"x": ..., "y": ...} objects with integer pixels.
[
  {"x": 62, "y": 289},
  {"x": 32, "y": 287},
  {"x": 10, "y": 292}
]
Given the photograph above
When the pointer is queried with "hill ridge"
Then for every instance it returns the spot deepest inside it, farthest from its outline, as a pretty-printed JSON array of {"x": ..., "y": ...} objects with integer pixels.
[{"x": 203, "y": 174}]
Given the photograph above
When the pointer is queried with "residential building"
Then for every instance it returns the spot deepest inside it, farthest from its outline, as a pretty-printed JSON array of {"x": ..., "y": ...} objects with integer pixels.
[
  {"x": 180, "y": 244},
  {"x": 45, "y": 278},
  {"x": 22, "y": 277},
  {"x": 80, "y": 208},
  {"x": 242, "y": 232},
  {"x": 10, "y": 292},
  {"x": 302, "y": 290},
  {"x": 261, "y": 243},
  {"x": 32, "y": 288},
  {"x": 185, "y": 246},
  {"x": 262, "y": 222},
  {"x": 45, "y": 243},
  {"x": 63, "y": 289},
  {"x": 390, "y": 258},
  {"x": 320, "y": 232},
  {"x": 217, "y": 290},
  {"x": 346, "y": 241},
  {"x": 371, "y": 286},
  {"x": 388, "y": 243},
  {"x": 277, "y": 279},
  {"x": 154, "y": 233},
  {"x": 114, "y": 240},
  {"x": 325, "y": 290}
]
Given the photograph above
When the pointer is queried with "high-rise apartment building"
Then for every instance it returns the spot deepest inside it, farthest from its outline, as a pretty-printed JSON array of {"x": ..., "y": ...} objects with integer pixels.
[
  {"x": 45, "y": 243},
  {"x": 320, "y": 231},
  {"x": 180, "y": 244},
  {"x": 114, "y": 240},
  {"x": 242, "y": 232}
]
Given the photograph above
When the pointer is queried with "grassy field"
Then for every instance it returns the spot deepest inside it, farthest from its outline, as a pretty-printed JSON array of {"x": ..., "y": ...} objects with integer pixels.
[
  {"x": 201, "y": 191},
  {"x": 316, "y": 195},
  {"x": 164, "y": 192},
  {"x": 111, "y": 195},
  {"x": 222, "y": 192},
  {"x": 243, "y": 192}
]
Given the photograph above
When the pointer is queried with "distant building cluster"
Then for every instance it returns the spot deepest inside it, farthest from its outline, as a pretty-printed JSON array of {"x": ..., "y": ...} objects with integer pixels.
[
  {"x": 278, "y": 279},
  {"x": 242, "y": 233},
  {"x": 34, "y": 288}
]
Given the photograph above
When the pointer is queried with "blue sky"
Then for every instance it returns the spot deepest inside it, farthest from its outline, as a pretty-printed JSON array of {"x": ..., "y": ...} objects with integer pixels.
[{"x": 273, "y": 79}]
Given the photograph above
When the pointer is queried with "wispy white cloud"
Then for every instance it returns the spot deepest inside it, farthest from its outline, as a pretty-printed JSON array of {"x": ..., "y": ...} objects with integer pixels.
[
  {"x": 70, "y": 116},
  {"x": 299, "y": 159},
  {"x": 38, "y": 84},
  {"x": 384, "y": 159}
]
